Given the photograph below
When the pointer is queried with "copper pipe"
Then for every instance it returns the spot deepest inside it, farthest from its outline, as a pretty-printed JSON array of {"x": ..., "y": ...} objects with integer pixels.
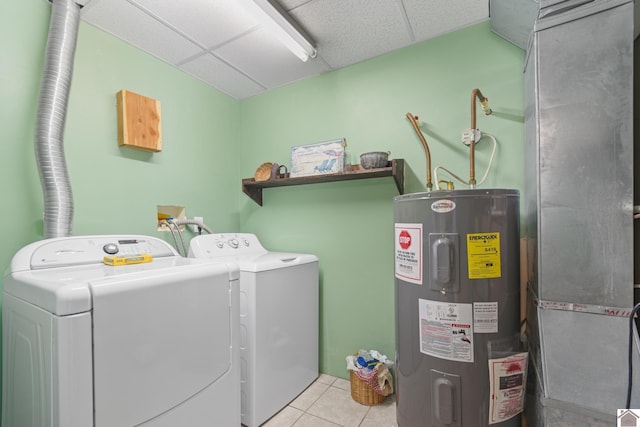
[
  {"x": 416, "y": 127},
  {"x": 475, "y": 93}
]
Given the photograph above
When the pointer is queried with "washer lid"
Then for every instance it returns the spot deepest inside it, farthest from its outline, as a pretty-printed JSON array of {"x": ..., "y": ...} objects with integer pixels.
[
  {"x": 270, "y": 261},
  {"x": 245, "y": 250}
]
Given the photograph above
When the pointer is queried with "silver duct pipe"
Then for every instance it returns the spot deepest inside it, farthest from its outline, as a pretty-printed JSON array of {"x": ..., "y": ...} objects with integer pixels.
[{"x": 51, "y": 115}]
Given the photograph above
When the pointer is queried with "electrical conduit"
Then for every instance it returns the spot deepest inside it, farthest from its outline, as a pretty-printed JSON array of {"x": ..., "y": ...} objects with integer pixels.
[{"x": 51, "y": 115}]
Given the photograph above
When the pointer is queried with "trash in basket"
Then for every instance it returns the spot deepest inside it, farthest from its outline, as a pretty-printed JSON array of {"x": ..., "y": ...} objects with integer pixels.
[{"x": 371, "y": 380}]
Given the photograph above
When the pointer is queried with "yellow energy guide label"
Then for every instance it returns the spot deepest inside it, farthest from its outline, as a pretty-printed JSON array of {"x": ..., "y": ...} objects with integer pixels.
[
  {"x": 126, "y": 260},
  {"x": 483, "y": 255}
]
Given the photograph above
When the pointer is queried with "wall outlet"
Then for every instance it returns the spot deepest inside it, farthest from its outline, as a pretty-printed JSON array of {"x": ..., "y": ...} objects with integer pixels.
[{"x": 194, "y": 227}]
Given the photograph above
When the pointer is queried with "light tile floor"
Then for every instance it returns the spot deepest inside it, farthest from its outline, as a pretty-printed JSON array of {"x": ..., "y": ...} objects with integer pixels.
[{"x": 328, "y": 403}]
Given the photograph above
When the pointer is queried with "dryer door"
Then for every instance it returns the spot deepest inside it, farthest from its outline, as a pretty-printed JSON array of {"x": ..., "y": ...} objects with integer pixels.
[{"x": 160, "y": 337}]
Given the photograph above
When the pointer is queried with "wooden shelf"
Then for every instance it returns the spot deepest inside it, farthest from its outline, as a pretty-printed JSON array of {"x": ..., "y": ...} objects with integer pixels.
[{"x": 395, "y": 169}]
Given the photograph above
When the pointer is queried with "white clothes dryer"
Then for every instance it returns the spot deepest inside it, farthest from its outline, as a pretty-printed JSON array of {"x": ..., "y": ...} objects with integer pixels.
[
  {"x": 279, "y": 309},
  {"x": 153, "y": 344}
]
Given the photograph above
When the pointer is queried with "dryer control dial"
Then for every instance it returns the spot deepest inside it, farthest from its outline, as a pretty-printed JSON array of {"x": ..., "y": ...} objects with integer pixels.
[
  {"x": 233, "y": 243},
  {"x": 220, "y": 244},
  {"x": 110, "y": 248}
]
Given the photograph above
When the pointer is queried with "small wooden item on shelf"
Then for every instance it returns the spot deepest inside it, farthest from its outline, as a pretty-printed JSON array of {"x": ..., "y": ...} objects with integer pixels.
[{"x": 263, "y": 173}]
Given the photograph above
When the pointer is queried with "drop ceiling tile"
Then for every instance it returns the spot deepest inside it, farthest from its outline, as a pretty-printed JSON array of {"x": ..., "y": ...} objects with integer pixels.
[
  {"x": 216, "y": 73},
  {"x": 209, "y": 23},
  {"x": 127, "y": 22},
  {"x": 436, "y": 17},
  {"x": 269, "y": 62},
  {"x": 351, "y": 31},
  {"x": 292, "y": 4},
  {"x": 346, "y": 32}
]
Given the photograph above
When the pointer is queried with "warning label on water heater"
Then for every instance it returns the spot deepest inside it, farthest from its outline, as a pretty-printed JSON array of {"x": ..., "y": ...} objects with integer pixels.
[
  {"x": 507, "y": 383},
  {"x": 446, "y": 330},
  {"x": 483, "y": 255},
  {"x": 485, "y": 317},
  {"x": 408, "y": 238}
]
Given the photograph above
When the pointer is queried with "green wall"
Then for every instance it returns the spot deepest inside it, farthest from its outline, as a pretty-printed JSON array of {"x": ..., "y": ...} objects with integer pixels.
[
  {"x": 349, "y": 225},
  {"x": 212, "y": 141},
  {"x": 115, "y": 190}
]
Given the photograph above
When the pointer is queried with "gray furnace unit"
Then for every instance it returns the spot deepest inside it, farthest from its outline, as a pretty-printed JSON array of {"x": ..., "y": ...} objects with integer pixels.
[
  {"x": 578, "y": 203},
  {"x": 578, "y": 211},
  {"x": 458, "y": 309}
]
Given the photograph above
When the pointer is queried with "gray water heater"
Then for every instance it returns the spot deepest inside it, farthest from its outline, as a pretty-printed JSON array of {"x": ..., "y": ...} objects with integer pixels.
[{"x": 457, "y": 296}]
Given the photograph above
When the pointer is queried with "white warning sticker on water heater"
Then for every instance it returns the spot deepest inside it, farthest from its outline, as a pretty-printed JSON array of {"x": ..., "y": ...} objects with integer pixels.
[
  {"x": 485, "y": 317},
  {"x": 408, "y": 252},
  {"x": 507, "y": 384},
  {"x": 446, "y": 330}
]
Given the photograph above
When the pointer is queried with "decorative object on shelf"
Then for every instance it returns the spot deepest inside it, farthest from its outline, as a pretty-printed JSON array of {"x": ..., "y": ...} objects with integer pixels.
[
  {"x": 318, "y": 159},
  {"x": 263, "y": 173},
  {"x": 277, "y": 173},
  {"x": 374, "y": 159},
  {"x": 394, "y": 168}
]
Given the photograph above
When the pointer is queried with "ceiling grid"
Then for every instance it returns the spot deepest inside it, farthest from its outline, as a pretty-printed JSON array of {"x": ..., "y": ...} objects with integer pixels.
[{"x": 220, "y": 43}]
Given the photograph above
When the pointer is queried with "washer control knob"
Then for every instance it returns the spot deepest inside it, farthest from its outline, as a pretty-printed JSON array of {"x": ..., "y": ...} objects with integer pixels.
[
  {"x": 220, "y": 244},
  {"x": 233, "y": 243},
  {"x": 244, "y": 241},
  {"x": 110, "y": 248}
]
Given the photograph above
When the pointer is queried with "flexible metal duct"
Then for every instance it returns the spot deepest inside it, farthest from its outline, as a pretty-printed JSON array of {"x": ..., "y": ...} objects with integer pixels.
[{"x": 51, "y": 115}]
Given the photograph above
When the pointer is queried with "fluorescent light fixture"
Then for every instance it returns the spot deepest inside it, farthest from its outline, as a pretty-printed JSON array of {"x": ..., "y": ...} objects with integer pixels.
[{"x": 271, "y": 15}]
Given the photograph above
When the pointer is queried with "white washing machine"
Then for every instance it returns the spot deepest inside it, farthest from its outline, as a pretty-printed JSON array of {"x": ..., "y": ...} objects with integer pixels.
[
  {"x": 86, "y": 344},
  {"x": 279, "y": 299}
]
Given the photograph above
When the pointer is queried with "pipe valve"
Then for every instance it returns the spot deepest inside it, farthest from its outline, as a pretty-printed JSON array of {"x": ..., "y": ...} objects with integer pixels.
[{"x": 485, "y": 107}]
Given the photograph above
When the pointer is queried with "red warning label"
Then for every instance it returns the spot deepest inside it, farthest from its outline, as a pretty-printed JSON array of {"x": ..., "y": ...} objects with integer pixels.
[
  {"x": 404, "y": 240},
  {"x": 408, "y": 248}
]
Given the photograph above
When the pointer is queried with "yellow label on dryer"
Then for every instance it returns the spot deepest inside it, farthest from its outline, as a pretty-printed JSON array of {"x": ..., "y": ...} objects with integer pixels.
[
  {"x": 483, "y": 255},
  {"x": 126, "y": 260}
]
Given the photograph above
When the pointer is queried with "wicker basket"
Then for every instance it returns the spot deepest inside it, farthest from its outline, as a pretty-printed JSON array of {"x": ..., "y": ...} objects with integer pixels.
[
  {"x": 363, "y": 393},
  {"x": 263, "y": 173}
]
